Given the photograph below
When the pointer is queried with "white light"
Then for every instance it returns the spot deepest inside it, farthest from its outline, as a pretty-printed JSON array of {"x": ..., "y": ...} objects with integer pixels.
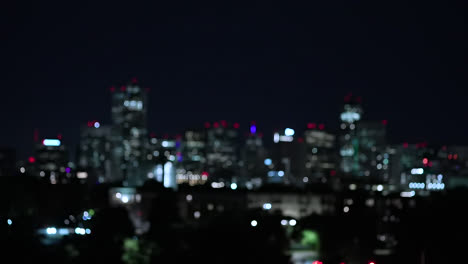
[
  {"x": 305, "y": 179},
  {"x": 292, "y": 222},
  {"x": 189, "y": 197},
  {"x": 286, "y": 138},
  {"x": 51, "y": 230},
  {"x": 63, "y": 231},
  {"x": 346, "y": 209},
  {"x": 379, "y": 188},
  {"x": 267, "y": 206},
  {"x": 97, "y": 125},
  {"x": 196, "y": 214},
  {"x": 352, "y": 186},
  {"x": 418, "y": 171},
  {"x": 85, "y": 213},
  {"x": 350, "y": 116},
  {"x": 253, "y": 223},
  {"x": 267, "y": 162},
  {"x": 80, "y": 231},
  {"x": 233, "y": 185},
  {"x": 289, "y": 132},
  {"x": 281, "y": 173},
  {"x": 51, "y": 142},
  {"x": 118, "y": 195},
  {"x": 9, "y": 222},
  {"x": 407, "y": 194},
  {"x": 22, "y": 170},
  {"x": 125, "y": 199},
  {"x": 284, "y": 222},
  {"x": 82, "y": 175},
  {"x": 276, "y": 137},
  {"x": 88, "y": 231},
  {"x": 165, "y": 144}
]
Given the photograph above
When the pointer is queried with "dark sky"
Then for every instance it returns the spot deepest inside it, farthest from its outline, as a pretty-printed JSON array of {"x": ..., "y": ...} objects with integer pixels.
[{"x": 281, "y": 65}]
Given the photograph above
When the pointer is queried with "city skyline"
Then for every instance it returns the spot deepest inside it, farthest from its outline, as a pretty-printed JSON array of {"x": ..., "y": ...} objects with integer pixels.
[{"x": 409, "y": 71}]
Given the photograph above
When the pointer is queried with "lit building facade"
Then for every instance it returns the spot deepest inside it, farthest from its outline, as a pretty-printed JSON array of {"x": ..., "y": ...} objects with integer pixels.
[
  {"x": 349, "y": 144},
  {"x": 320, "y": 159},
  {"x": 51, "y": 161}
]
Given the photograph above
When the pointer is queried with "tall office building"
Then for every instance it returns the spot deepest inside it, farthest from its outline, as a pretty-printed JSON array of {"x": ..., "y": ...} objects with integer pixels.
[
  {"x": 288, "y": 158},
  {"x": 374, "y": 156},
  {"x": 254, "y": 160},
  {"x": 162, "y": 159},
  {"x": 129, "y": 136},
  {"x": 191, "y": 158},
  {"x": 51, "y": 161},
  {"x": 349, "y": 144},
  {"x": 95, "y": 154},
  {"x": 320, "y": 153},
  {"x": 222, "y": 152}
]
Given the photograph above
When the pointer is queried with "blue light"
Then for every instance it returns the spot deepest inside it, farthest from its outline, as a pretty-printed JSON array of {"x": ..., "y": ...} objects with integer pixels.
[
  {"x": 289, "y": 132},
  {"x": 281, "y": 173},
  {"x": 253, "y": 129},
  {"x": 51, "y": 142},
  {"x": 97, "y": 125},
  {"x": 233, "y": 186},
  {"x": 9, "y": 222},
  {"x": 267, "y": 162}
]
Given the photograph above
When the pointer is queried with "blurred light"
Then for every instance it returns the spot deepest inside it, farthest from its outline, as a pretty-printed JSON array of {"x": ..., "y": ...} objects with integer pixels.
[
  {"x": 233, "y": 185},
  {"x": 236, "y": 125},
  {"x": 125, "y": 199},
  {"x": 253, "y": 223},
  {"x": 267, "y": 162},
  {"x": 384, "y": 122},
  {"x": 63, "y": 231},
  {"x": 321, "y": 126},
  {"x": 80, "y": 231},
  {"x": 379, "y": 188},
  {"x": 97, "y": 125},
  {"x": 407, "y": 194},
  {"x": 352, "y": 187},
  {"x": 22, "y": 170},
  {"x": 292, "y": 222},
  {"x": 284, "y": 222},
  {"x": 281, "y": 173},
  {"x": 253, "y": 129},
  {"x": 196, "y": 214},
  {"x": 118, "y": 195},
  {"x": 9, "y": 222},
  {"x": 425, "y": 161},
  {"x": 267, "y": 206},
  {"x": 189, "y": 197},
  {"x": 346, "y": 209},
  {"x": 51, "y": 142},
  {"x": 417, "y": 171},
  {"x": 51, "y": 230},
  {"x": 82, "y": 175},
  {"x": 88, "y": 231},
  {"x": 311, "y": 125},
  {"x": 31, "y": 159},
  {"x": 276, "y": 137},
  {"x": 289, "y": 132},
  {"x": 371, "y": 262}
]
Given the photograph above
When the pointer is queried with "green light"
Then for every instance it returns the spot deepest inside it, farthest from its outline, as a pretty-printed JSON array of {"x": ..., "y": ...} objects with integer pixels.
[
  {"x": 91, "y": 212},
  {"x": 310, "y": 239}
]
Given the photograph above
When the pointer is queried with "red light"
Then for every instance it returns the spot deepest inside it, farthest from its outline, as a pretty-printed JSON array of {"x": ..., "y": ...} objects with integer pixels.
[
  {"x": 425, "y": 161},
  {"x": 300, "y": 140},
  {"x": 449, "y": 156},
  {"x": 405, "y": 145},
  {"x": 236, "y": 125},
  {"x": 384, "y": 122},
  {"x": 112, "y": 89},
  {"x": 332, "y": 172},
  {"x": 455, "y": 156},
  {"x": 207, "y": 125},
  {"x": 317, "y": 262},
  {"x": 215, "y": 125},
  {"x": 204, "y": 173},
  {"x": 90, "y": 124},
  {"x": 32, "y": 160},
  {"x": 122, "y": 88},
  {"x": 321, "y": 126},
  {"x": 372, "y": 262},
  {"x": 134, "y": 80},
  {"x": 223, "y": 123},
  {"x": 59, "y": 136},
  {"x": 311, "y": 125}
]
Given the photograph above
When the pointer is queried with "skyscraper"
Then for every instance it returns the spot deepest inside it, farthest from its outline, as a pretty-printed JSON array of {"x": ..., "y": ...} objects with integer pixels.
[
  {"x": 320, "y": 153},
  {"x": 129, "y": 112},
  {"x": 349, "y": 144}
]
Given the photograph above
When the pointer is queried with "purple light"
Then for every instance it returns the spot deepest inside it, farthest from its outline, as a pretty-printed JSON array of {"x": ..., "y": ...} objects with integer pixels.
[
  {"x": 253, "y": 129},
  {"x": 67, "y": 170}
]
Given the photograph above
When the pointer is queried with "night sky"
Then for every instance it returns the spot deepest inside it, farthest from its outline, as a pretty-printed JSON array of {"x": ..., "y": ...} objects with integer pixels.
[{"x": 280, "y": 65}]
